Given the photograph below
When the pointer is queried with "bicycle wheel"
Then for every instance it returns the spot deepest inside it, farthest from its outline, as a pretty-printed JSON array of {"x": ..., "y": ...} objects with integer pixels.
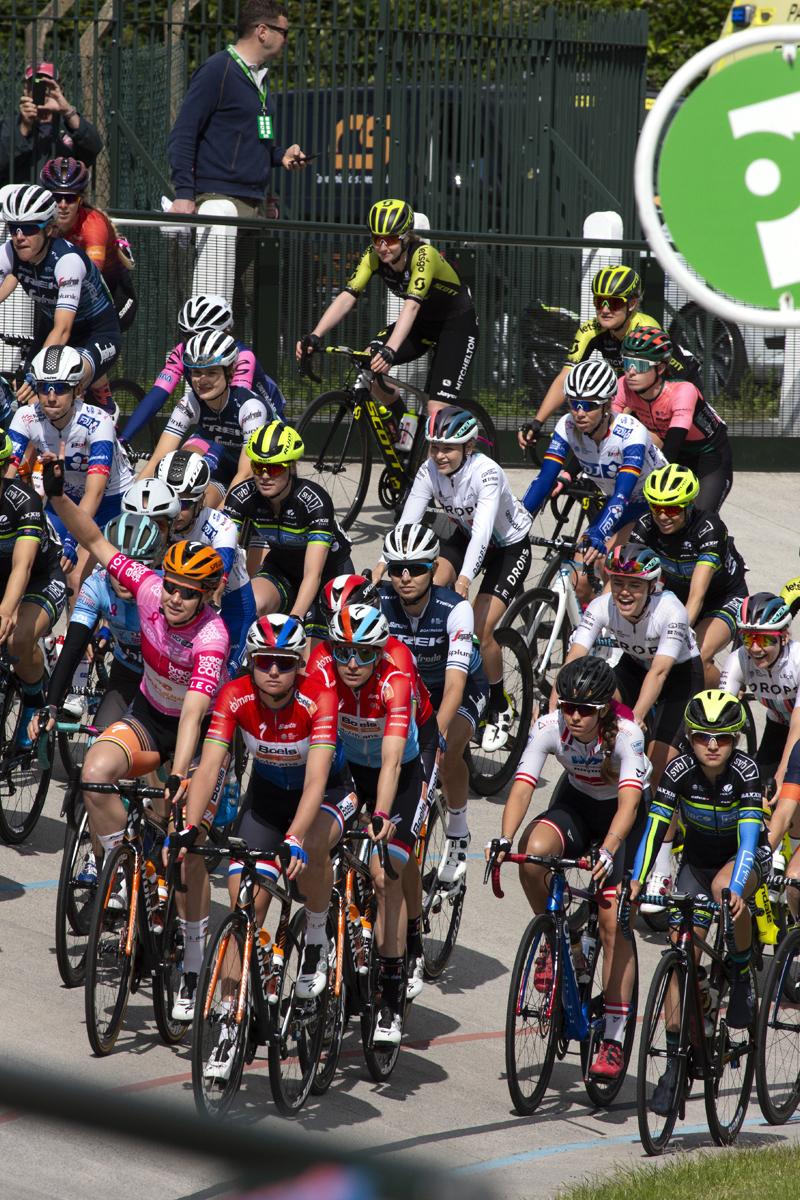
[
  {"x": 778, "y": 1056},
  {"x": 380, "y": 1062},
  {"x": 336, "y": 1017},
  {"x": 490, "y": 770},
  {"x": 750, "y": 733},
  {"x": 338, "y": 451},
  {"x": 601, "y": 1093},
  {"x": 534, "y": 616},
  {"x": 533, "y": 1018},
  {"x": 72, "y": 749},
  {"x": 74, "y": 903},
  {"x": 294, "y": 1058},
  {"x": 23, "y": 779},
  {"x": 109, "y": 960},
  {"x": 128, "y": 396},
  {"x": 167, "y": 979},
  {"x": 442, "y": 904},
  {"x": 727, "y": 1090},
  {"x": 216, "y": 1077},
  {"x": 664, "y": 1008}
]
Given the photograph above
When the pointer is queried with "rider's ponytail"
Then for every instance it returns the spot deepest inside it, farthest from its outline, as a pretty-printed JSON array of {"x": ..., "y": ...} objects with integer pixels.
[{"x": 610, "y": 728}]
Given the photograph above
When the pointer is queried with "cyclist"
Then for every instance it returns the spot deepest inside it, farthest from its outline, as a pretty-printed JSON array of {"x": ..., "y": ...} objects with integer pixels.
[
  {"x": 699, "y": 561},
  {"x": 491, "y": 536},
  {"x": 97, "y": 472},
  {"x": 768, "y": 664},
  {"x": 296, "y": 545},
  {"x": 617, "y": 292},
  {"x": 716, "y": 789},
  {"x": 376, "y": 724},
  {"x": 438, "y": 311},
  {"x": 34, "y": 589},
  {"x": 783, "y": 819},
  {"x": 602, "y": 754},
  {"x": 437, "y": 626},
  {"x": 93, "y": 230},
  {"x": 75, "y": 307},
  {"x": 204, "y": 312},
  {"x": 680, "y": 421},
  {"x": 225, "y": 413}
]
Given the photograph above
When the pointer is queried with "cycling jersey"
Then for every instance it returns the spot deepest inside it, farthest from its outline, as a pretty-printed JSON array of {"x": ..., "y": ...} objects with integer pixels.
[
  {"x": 582, "y": 760},
  {"x": 176, "y": 661},
  {"x": 426, "y": 278},
  {"x": 678, "y": 409},
  {"x": 396, "y": 652},
  {"x": 65, "y": 278},
  {"x": 248, "y": 374},
  {"x": 664, "y": 629},
  {"x": 213, "y": 528},
  {"x": 723, "y": 819},
  {"x": 441, "y": 638},
  {"x": 22, "y": 517},
  {"x": 478, "y": 500},
  {"x": 306, "y": 517},
  {"x": 242, "y": 414},
  {"x": 776, "y": 687},
  {"x": 91, "y": 446},
  {"x": 97, "y": 601},
  {"x": 591, "y": 337},
  {"x": 95, "y": 235},
  {"x": 279, "y": 739},
  {"x": 703, "y": 539}
]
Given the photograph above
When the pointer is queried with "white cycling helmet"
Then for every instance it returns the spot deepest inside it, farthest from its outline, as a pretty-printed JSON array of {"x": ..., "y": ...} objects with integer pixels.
[
  {"x": 410, "y": 543},
  {"x": 58, "y": 364},
  {"x": 152, "y": 498},
  {"x": 186, "y": 472},
  {"x": 594, "y": 379},
  {"x": 278, "y": 631},
  {"x": 205, "y": 312},
  {"x": 211, "y": 348},
  {"x": 359, "y": 625},
  {"x": 29, "y": 203}
]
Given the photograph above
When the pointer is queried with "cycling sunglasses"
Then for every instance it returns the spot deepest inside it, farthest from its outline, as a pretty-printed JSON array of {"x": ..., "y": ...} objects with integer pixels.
[
  {"x": 187, "y": 504},
  {"x": 579, "y": 710},
  {"x": 705, "y": 739},
  {"x": 612, "y": 303},
  {"x": 388, "y": 239},
  {"x": 58, "y": 386},
  {"x": 270, "y": 469},
  {"x": 28, "y": 229},
  {"x": 752, "y": 637},
  {"x": 667, "y": 510},
  {"x": 364, "y": 655},
  {"x": 631, "y": 567},
  {"x": 184, "y": 590},
  {"x": 415, "y": 569},
  {"x": 640, "y": 365},
  {"x": 586, "y": 406},
  {"x": 284, "y": 662},
  {"x": 68, "y": 197}
]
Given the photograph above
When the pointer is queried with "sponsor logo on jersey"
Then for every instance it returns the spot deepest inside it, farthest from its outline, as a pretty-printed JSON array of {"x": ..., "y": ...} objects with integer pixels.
[
  {"x": 622, "y": 431},
  {"x": 310, "y": 499},
  {"x": 87, "y": 422},
  {"x": 182, "y": 641},
  {"x": 15, "y": 496},
  {"x": 108, "y": 352}
]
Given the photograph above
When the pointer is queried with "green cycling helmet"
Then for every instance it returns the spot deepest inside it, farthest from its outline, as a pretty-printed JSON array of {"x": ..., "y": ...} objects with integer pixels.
[
  {"x": 6, "y": 449},
  {"x": 617, "y": 281},
  {"x": 648, "y": 342}
]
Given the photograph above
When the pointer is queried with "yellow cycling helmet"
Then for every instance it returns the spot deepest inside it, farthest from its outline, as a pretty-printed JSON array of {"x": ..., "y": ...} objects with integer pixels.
[
  {"x": 617, "y": 281},
  {"x": 6, "y": 448},
  {"x": 714, "y": 711},
  {"x": 274, "y": 443},
  {"x": 394, "y": 218},
  {"x": 672, "y": 484}
]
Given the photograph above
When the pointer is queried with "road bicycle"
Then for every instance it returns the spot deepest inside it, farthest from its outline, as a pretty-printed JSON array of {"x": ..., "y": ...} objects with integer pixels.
[
  {"x": 778, "y": 1055},
  {"x": 340, "y": 427},
  {"x": 25, "y": 771},
  {"x": 701, "y": 1045},
  {"x": 490, "y": 770},
  {"x": 442, "y": 903},
  {"x": 551, "y": 1005}
]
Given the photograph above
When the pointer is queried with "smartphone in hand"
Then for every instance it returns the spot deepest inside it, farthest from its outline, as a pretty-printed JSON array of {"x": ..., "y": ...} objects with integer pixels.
[{"x": 39, "y": 92}]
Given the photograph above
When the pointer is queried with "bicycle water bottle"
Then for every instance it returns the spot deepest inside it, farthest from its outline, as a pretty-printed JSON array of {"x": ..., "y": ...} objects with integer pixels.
[
  {"x": 264, "y": 958},
  {"x": 154, "y": 890},
  {"x": 709, "y": 999},
  {"x": 389, "y": 422},
  {"x": 80, "y": 678},
  {"x": 228, "y": 803},
  {"x": 408, "y": 427},
  {"x": 356, "y": 937},
  {"x": 366, "y": 938},
  {"x": 768, "y": 932},
  {"x": 589, "y": 947},
  {"x": 778, "y": 868}
]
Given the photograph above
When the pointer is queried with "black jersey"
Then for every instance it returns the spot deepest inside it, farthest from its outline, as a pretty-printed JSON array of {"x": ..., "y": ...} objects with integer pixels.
[
  {"x": 703, "y": 539},
  {"x": 306, "y": 516},
  {"x": 591, "y": 336},
  {"x": 427, "y": 278},
  {"x": 22, "y": 516}
]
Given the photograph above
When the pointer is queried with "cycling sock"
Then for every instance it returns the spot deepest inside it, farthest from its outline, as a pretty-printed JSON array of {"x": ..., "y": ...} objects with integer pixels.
[
  {"x": 100, "y": 394},
  {"x": 398, "y": 410},
  {"x": 497, "y": 697},
  {"x": 414, "y": 937},
  {"x": 109, "y": 840},
  {"x": 315, "y": 928},
  {"x": 194, "y": 933},
  {"x": 34, "y": 693},
  {"x": 616, "y": 1020},
  {"x": 741, "y": 964},
  {"x": 663, "y": 863},
  {"x": 457, "y": 822},
  {"x": 392, "y": 982},
  {"x": 673, "y": 1042}
]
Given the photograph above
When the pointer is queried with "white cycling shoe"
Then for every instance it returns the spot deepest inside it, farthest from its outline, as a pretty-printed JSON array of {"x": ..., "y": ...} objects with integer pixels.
[
  {"x": 498, "y": 727},
  {"x": 220, "y": 1065},
  {"x": 313, "y": 977},
  {"x": 416, "y": 979},
  {"x": 389, "y": 1028},
  {"x": 454, "y": 860},
  {"x": 657, "y": 885},
  {"x": 183, "y": 1005}
]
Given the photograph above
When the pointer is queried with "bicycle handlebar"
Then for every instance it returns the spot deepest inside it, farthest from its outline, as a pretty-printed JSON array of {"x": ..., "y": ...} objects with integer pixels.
[
  {"x": 383, "y": 856},
  {"x": 132, "y": 790},
  {"x": 551, "y": 861},
  {"x": 727, "y": 923}
]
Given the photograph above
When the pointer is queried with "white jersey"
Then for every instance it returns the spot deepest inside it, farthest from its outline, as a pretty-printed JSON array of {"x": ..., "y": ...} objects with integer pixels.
[
  {"x": 664, "y": 629},
  {"x": 213, "y": 528},
  {"x": 777, "y": 687},
  {"x": 90, "y": 446},
  {"x": 626, "y": 447},
  {"x": 478, "y": 500},
  {"x": 582, "y": 760}
]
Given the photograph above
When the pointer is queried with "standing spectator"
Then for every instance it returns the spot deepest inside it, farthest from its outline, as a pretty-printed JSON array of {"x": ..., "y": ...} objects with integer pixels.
[{"x": 44, "y": 131}]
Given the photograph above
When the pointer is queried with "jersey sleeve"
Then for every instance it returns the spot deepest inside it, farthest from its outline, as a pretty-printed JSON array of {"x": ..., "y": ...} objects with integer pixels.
[
  {"x": 323, "y": 704},
  {"x": 731, "y": 677},
  {"x": 102, "y": 438},
  {"x": 223, "y": 718},
  {"x": 626, "y": 479},
  {"x": 595, "y": 617},
  {"x": 159, "y": 393},
  {"x": 70, "y": 273},
  {"x": 583, "y": 342},
  {"x": 421, "y": 492},
  {"x": 87, "y": 606},
  {"x": 97, "y": 236},
  {"x": 661, "y": 810},
  {"x": 422, "y": 272},
  {"x": 490, "y": 489},
  {"x": 321, "y": 515},
  {"x": 208, "y": 663},
  {"x": 183, "y": 417},
  {"x": 29, "y": 518},
  {"x": 18, "y": 431},
  {"x": 554, "y": 460},
  {"x": 6, "y": 261},
  {"x": 683, "y": 397},
  {"x": 633, "y": 766},
  {"x": 460, "y": 628},
  {"x": 245, "y": 370},
  {"x": 674, "y": 636},
  {"x": 543, "y": 740},
  {"x": 254, "y": 414},
  {"x": 367, "y": 266},
  {"x": 750, "y": 822},
  {"x": 237, "y": 504},
  {"x": 620, "y": 401},
  {"x": 712, "y": 542},
  {"x": 640, "y": 531},
  {"x": 398, "y": 699},
  {"x": 132, "y": 575}
]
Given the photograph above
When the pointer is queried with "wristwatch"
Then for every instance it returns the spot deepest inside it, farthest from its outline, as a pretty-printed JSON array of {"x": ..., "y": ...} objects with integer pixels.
[{"x": 71, "y": 112}]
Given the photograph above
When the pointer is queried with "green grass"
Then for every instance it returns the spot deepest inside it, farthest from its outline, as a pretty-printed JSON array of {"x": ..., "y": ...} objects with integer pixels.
[
  {"x": 772, "y": 1173},
  {"x": 754, "y": 401}
]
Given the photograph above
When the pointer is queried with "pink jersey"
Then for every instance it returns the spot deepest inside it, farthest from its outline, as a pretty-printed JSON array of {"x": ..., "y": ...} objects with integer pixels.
[
  {"x": 176, "y": 661},
  {"x": 680, "y": 406},
  {"x": 174, "y": 370}
]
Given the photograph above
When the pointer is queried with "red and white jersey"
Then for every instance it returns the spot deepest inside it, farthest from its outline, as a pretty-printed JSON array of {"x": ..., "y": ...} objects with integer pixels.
[
  {"x": 582, "y": 761},
  {"x": 396, "y": 652}
]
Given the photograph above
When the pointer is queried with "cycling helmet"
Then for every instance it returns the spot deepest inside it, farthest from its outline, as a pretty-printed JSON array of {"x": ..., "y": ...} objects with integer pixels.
[
  {"x": 649, "y": 342},
  {"x": 64, "y": 175},
  {"x": 211, "y": 348},
  {"x": 594, "y": 379},
  {"x": 451, "y": 425},
  {"x": 135, "y": 536},
  {"x": 634, "y": 561},
  {"x": 586, "y": 680},
  {"x": 6, "y": 449},
  {"x": 617, "y": 281},
  {"x": 359, "y": 624},
  {"x": 205, "y": 312},
  {"x": 672, "y": 484},
  {"x": 29, "y": 203},
  {"x": 152, "y": 498},
  {"x": 274, "y": 443},
  {"x": 714, "y": 711},
  {"x": 764, "y": 612},
  {"x": 347, "y": 590},
  {"x": 410, "y": 543},
  {"x": 393, "y": 218},
  {"x": 196, "y": 563},
  {"x": 58, "y": 364},
  {"x": 278, "y": 631},
  {"x": 186, "y": 472}
]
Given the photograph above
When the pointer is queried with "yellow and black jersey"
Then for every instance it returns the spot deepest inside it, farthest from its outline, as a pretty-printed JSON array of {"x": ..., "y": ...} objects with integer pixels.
[
  {"x": 592, "y": 336},
  {"x": 426, "y": 278}
]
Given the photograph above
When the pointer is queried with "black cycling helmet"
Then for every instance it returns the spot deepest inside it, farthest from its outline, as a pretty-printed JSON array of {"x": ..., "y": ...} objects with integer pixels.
[{"x": 586, "y": 680}]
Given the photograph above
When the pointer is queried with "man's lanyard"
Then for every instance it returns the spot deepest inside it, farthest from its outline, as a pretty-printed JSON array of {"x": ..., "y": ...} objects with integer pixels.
[{"x": 264, "y": 121}]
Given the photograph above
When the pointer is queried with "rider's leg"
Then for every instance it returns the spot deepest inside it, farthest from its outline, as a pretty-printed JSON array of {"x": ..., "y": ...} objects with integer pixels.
[
  {"x": 713, "y": 634},
  {"x": 540, "y": 837}
]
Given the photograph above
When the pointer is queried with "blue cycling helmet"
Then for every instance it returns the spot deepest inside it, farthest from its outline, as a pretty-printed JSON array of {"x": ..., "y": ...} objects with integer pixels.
[
  {"x": 359, "y": 624},
  {"x": 134, "y": 535}
]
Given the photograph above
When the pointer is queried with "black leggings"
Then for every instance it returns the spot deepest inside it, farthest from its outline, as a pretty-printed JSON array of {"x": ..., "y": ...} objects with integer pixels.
[
  {"x": 714, "y": 469},
  {"x": 453, "y": 342}
]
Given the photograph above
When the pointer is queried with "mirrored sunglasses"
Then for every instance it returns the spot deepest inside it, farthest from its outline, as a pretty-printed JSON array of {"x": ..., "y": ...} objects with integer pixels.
[
  {"x": 752, "y": 637},
  {"x": 586, "y": 405},
  {"x": 640, "y": 365},
  {"x": 613, "y": 303},
  {"x": 28, "y": 229},
  {"x": 415, "y": 569},
  {"x": 58, "y": 386},
  {"x": 284, "y": 662},
  {"x": 579, "y": 710},
  {"x": 364, "y": 655},
  {"x": 388, "y": 239},
  {"x": 720, "y": 739},
  {"x": 667, "y": 510},
  {"x": 184, "y": 590},
  {"x": 67, "y": 197},
  {"x": 270, "y": 469},
  {"x": 187, "y": 504}
]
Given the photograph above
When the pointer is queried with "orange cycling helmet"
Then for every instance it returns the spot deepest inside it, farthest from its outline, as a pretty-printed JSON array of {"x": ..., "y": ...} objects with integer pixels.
[{"x": 195, "y": 563}]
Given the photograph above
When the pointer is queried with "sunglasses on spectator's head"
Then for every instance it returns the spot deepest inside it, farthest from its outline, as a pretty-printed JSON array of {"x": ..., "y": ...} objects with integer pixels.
[
  {"x": 752, "y": 637},
  {"x": 586, "y": 406},
  {"x": 579, "y": 710},
  {"x": 270, "y": 469},
  {"x": 28, "y": 229},
  {"x": 388, "y": 239},
  {"x": 612, "y": 303},
  {"x": 364, "y": 655},
  {"x": 56, "y": 385},
  {"x": 284, "y": 662},
  {"x": 640, "y": 365},
  {"x": 415, "y": 569},
  {"x": 667, "y": 510},
  {"x": 184, "y": 590},
  {"x": 705, "y": 739}
]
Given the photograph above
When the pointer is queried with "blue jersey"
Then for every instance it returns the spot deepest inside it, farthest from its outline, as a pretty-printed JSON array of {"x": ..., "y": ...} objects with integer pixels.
[
  {"x": 97, "y": 601},
  {"x": 242, "y": 414},
  {"x": 66, "y": 278},
  {"x": 440, "y": 639}
]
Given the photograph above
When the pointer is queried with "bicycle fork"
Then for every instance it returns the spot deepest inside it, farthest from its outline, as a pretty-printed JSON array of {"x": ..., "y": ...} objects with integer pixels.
[{"x": 576, "y": 1024}]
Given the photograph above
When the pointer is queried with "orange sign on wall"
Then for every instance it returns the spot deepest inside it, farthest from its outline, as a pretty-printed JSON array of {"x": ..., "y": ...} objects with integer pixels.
[{"x": 365, "y": 128}]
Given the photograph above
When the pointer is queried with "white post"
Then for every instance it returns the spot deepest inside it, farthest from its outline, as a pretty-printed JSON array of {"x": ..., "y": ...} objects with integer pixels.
[
  {"x": 789, "y": 419},
  {"x": 608, "y": 226},
  {"x": 416, "y": 372},
  {"x": 215, "y": 267}
]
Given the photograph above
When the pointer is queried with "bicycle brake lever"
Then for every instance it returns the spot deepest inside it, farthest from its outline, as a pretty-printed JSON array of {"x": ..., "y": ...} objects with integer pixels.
[{"x": 383, "y": 857}]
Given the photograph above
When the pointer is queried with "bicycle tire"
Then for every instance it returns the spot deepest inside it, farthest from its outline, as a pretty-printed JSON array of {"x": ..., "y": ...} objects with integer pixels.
[
  {"x": 442, "y": 905},
  {"x": 655, "y": 1139},
  {"x": 489, "y": 771},
  {"x": 109, "y": 968},
  {"x": 348, "y": 440},
  {"x": 293, "y": 1059},
  {"x": 602, "y": 1094},
  {"x": 779, "y": 1034},
  {"x": 380, "y": 1063},
  {"x": 213, "y": 1098},
  {"x": 336, "y": 1017},
  {"x": 74, "y": 904},
  {"x": 23, "y": 780},
  {"x": 735, "y": 1098},
  {"x": 527, "y": 1080},
  {"x": 166, "y": 977},
  {"x": 750, "y": 734},
  {"x": 121, "y": 387},
  {"x": 534, "y": 616}
]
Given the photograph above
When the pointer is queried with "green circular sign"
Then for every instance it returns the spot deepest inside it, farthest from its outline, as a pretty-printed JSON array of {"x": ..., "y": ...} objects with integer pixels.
[{"x": 729, "y": 180}]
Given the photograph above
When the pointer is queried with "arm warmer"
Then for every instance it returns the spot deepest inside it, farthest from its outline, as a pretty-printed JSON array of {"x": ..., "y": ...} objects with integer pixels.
[
  {"x": 152, "y": 403},
  {"x": 542, "y": 486},
  {"x": 75, "y": 644},
  {"x": 612, "y": 512},
  {"x": 673, "y": 442}
]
